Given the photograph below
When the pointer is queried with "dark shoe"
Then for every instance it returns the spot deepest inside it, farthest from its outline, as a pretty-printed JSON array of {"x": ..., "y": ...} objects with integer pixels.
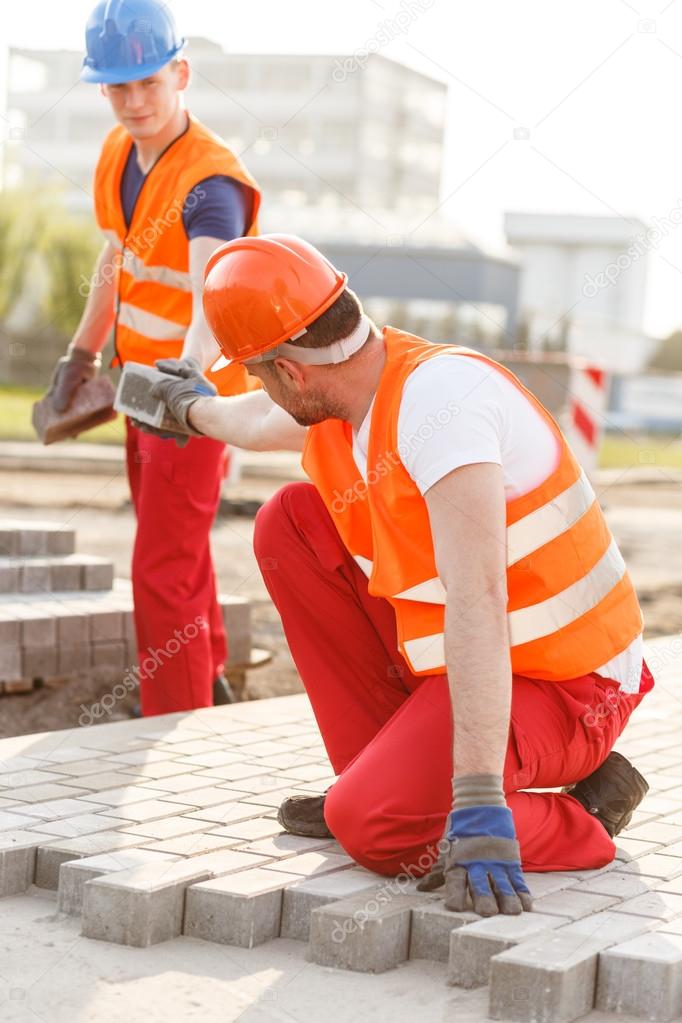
[
  {"x": 222, "y": 692},
  {"x": 304, "y": 815},
  {"x": 611, "y": 793}
]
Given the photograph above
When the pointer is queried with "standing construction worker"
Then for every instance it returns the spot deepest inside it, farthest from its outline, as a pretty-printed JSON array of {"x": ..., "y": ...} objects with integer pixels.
[
  {"x": 450, "y": 564},
  {"x": 167, "y": 193}
]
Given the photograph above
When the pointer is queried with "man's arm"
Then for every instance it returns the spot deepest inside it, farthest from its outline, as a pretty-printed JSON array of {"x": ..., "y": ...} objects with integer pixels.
[
  {"x": 199, "y": 342},
  {"x": 467, "y": 513},
  {"x": 97, "y": 319},
  {"x": 252, "y": 421}
]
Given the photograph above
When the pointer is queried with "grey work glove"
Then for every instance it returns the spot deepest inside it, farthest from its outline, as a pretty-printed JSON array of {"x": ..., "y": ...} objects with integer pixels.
[
  {"x": 73, "y": 369},
  {"x": 183, "y": 384},
  {"x": 480, "y": 864}
]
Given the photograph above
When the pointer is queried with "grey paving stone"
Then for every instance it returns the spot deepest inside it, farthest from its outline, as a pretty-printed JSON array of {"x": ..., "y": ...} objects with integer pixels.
[
  {"x": 230, "y": 812},
  {"x": 659, "y": 905},
  {"x": 302, "y": 897},
  {"x": 642, "y": 977},
  {"x": 250, "y": 830},
  {"x": 431, "y": 927},
  {"x": 285, "y": 845},
  {"x": 74, "y": 873},
  {"x": 147, "y": 810},
  {"x": 624, "y": 886},
  {"x": 44, "y": 792},
  {"x": 55, "y": 809},
  {"x": 73, "y": 827},
  {"x": 472, "y": 947},
  {"x": 166, "y": 828},
  {"x": 17, "y": 860},
  {"x": 195, "y": 844},
  {"x": 54, "y": 852},
  {"x": 654, "y": 865},
  {"x": 548, "y": 979},
  {"x": 311, "y": 864},
  {"x": 240, "y": 909},
  {"x": 145, "y": 905},
  {"x": 345, "y": 934},
  {"x": 573, "y": 903}
]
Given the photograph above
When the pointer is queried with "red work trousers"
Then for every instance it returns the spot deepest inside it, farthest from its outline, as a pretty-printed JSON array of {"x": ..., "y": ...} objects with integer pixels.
[
  {"x": 181, "y": 640},
  {"x": 389, "y": 733}
]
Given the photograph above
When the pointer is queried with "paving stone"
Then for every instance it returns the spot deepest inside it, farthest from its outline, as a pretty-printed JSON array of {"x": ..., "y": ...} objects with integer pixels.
[
  {"x": 633, "y": 848},
  {"x": 50, "y": 856},
  {"x": 148, "y": 810},
  {"x": 100, "y": 782},
  {"x": 608, "y": 926},
  {"x": 10, "y": 663},
  {"x": 34, "y": 576},
  {"x": 284, "y": 845},
  {"x": 472, "y": 947},
  {"x": 217, "y": 762},
  {"x": 658, "y": 905},
  {"x": 194, "y": 844},
  {"x": 240, "y": 909},
  {"x": 43, "y": 793},
  {"x": 17, "y": 860},
  {"x": 250, "y": 830},
  {"x": 549, "y": 979},
  {"x": 74, "y": 874},
  {"x": 654, "y": 865},
  {"x": 30, "y": 776},
  {"x": 230, "y": 812},
  {"x": 573, "y": 903},
  {"x": 65, "y": 574},
  {"x": 201, "y": 798},
  {"x": 175, "y": 783},
  {"x": 348, "y": 935},
  {"x": 311, "y": 864},
  {"x": 9, "y": 575},
  {"x": 657, "y": 831},
  {"x": 74, "y": 658},
  {"x": 98, "y": 573},
  {"x": 105, "y": 623},
  {"x": 623, "y": 886},
  {"x": 81, "y": 768},
  {"x": 431, "y": 927},
  {"x": 39, "y": 662},
  {"x": 302, "y": 897},
  {"x": 55, "y": 809},
  {"x": 145, "y": 905},
  {"x": 74, "y": 827},
  {"x": 642, "y": 977},
  {"x": 547, "y": 883},
  {"x": 166, "y": 828}
]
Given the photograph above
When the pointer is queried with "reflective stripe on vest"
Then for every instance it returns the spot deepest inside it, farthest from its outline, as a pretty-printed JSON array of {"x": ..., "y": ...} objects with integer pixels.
[
  {"x": 141, "y": 271},
  {"x": 149, "y": 324}
]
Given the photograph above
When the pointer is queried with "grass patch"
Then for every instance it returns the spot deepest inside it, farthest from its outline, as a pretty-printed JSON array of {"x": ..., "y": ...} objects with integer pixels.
[
  {"x": 622, "y": 452},
  {"x": 15, "y": 419}
]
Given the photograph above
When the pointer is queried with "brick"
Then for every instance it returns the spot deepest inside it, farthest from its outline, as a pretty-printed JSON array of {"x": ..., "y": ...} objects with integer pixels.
[
  {"x": 74, "y": 658},
  {"x": 65, "y": 575},
  {"x": 72, "y": 628},
  {"x": 608, "y": 927},
  {"x": 633, "y": 848},
  {"x": 241, "y": 909},
  {"x": 657, "y": 831},
  {"x": 310, "y": 864},
  {"x": 302, "y": 897},
  {"x": 38, "y": 628},
  {"x": 34, "y": 576},
  {"x": 9, "y": 540},
  {"x": 230, "y": 812},
  {"x": 32, "y": 541},
  {"x": 472, "y": 947},
  {"x": 9, "y": 576},
  {"x": 237, "y": 621},
  {"x": 75, "y": 873},
  {"x": 74, "y": 827},
  {"x": 202, "y": 798},
  {"x": 654, "y": 865},
  {"x": 50, "y": 856},
  {"x": 106, "y": 624},
  {"x": 145, "y": 905},
  {"x": 432, "y": 925},
  {"x": 349, "y": 935},
  {"x": 10, "y": 663},
  {"x": 98, "y": 574},
  {"x": 250, "y": 830},
  {"x": 548, "y": 979},
  {"x": 642, "y": 977},
  {"x": 60, "y": 541},
  {"x": 284, "y": 845},
  {"x": 43, "y": 792},
  {"x": 10, "y": 629},
  {"x": 39, "y": 662},
  {"x": 20, "y": 685},
  {"x": 17, "y": 860},
  {"x": 658, "y": 905},
  {"x": 55, "y": 809},
  {"x": 623, "y": 886},
  {"x": 194, "y": 844},
  {"x": 573, "y": 903}
]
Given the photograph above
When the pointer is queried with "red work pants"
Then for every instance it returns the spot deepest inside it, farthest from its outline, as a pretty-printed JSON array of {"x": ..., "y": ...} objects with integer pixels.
[
  {"x": 180, "y": 635},
  {"x": 388, "y": 732}
]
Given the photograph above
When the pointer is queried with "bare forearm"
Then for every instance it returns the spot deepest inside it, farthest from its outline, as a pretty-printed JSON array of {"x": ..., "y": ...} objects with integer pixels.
[
  {"x": 251, "y": 421},
  {"x": 479, "y": 673},
  {"x": 98, "y": 315}
]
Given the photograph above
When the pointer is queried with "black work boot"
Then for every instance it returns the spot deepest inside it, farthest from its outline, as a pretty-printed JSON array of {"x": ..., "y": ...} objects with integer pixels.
[
  {"x": 611, "y": 793},
  {"x": 222, "y": 692},
  {"x": 304, "y": 815}
]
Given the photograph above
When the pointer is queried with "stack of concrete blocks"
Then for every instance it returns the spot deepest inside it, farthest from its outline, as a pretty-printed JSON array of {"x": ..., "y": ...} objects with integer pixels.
[{"x": 62, "y": 614}]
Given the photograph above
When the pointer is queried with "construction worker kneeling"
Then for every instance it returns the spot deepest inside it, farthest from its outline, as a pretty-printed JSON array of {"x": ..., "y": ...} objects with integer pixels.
[{"x": 449, "y": 588}]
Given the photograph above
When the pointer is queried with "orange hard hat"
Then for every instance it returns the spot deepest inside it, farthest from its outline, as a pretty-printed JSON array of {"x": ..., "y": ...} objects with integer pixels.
[{"x": 263, "y": 291}]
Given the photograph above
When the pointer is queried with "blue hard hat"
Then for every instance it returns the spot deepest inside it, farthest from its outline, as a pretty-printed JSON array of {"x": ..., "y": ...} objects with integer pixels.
[{"x": 126, "y": 40}]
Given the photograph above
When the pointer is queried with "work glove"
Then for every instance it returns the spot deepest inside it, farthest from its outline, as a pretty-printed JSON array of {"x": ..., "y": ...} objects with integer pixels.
[
  {"x": 481, "y": 860},
  {"x": 72, "y": 370},
  {"x": 183, "y": 384}
]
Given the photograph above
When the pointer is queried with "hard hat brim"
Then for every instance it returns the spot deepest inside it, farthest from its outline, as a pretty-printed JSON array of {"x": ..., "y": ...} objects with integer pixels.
[{"x": 118, "y": 76}]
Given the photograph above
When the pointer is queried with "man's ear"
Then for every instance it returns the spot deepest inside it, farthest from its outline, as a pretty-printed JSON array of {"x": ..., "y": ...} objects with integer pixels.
[
  {"x": 103, "y": 89},
  {"x": 292, "y": 372},
  {"x": 184, "y": 73}
]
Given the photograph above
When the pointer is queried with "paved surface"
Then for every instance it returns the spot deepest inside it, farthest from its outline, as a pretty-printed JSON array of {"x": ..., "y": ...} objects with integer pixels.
[{"x": 144, "y": 831}]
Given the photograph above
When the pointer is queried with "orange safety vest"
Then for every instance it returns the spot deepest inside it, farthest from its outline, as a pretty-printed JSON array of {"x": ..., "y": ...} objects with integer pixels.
[
  {"x": 154, "y": 307},
  {"x": 571, "y": 604}
]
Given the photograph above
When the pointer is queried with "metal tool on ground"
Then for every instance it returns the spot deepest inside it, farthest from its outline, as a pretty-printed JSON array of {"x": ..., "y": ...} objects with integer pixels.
[{"x": 92, "y": 405}]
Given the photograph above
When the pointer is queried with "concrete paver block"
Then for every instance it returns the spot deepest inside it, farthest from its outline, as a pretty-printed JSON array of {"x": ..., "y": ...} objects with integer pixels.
[
  {"x": 361, "y": 933},
  {"x": 472, "y": 947},
  {"x": 642, "y": 977},
  {"x": 240, "y": 909},
  {"x": 54, "y": 852},
  {"x": 145, "y": 905},
  {"x": 17, "y": 860},
  {"x": 302, "y": 897},
  {"x": 74, "y": 874},
  {"x": 573, "y": 903},
  {"x": 311, "y": 864},
  {"x": 431, "y": 927}
]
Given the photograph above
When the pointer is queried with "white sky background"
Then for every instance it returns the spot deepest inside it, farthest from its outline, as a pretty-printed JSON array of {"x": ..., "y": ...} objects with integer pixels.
[{"x": 598, "y": 85}]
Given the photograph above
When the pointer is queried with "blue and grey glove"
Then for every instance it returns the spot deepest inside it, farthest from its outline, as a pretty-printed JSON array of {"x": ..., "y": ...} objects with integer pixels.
[{"x": 481, "y": 861}]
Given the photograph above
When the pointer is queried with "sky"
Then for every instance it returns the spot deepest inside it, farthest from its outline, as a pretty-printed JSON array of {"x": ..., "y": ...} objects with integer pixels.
[{"x": 596, "y": 89}]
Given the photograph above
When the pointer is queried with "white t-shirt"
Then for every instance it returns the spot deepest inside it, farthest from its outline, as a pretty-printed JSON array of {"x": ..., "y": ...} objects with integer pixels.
[{"x": 459, "y": 411}]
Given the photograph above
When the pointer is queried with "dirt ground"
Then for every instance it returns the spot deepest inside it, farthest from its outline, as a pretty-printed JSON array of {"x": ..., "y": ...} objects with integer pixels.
[{"x": 646, "y": 519}]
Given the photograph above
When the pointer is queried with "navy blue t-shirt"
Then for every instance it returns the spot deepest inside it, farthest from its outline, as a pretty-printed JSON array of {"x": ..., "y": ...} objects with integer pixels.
[{"x": 217, "y": 207}]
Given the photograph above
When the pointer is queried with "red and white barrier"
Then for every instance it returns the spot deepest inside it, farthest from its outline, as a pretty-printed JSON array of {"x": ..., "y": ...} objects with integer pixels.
[{"x": 585, "y": 415}]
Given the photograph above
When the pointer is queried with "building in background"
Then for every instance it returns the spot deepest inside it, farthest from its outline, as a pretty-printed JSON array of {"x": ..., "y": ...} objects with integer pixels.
[
  {"x": 348, "y": 155},
  {"x": 583, "y": 286}
]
